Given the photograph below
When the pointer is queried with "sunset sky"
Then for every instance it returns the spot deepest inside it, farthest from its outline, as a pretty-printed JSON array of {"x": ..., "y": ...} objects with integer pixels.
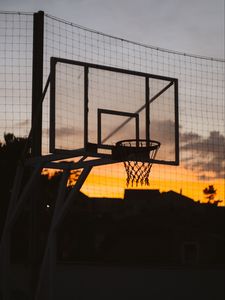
[
  {"x": 196, "y": 27},
  {"x": 182, "y": 181}
]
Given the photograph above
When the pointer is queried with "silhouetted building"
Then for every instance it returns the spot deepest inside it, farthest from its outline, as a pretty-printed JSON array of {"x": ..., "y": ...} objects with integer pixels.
[{"x": 146, "y": 227}]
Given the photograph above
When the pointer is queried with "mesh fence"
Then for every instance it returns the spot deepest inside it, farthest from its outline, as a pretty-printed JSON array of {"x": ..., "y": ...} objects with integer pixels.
[
  {"x": 201, "y": 100},
  {"x": 16, "y": 38}
]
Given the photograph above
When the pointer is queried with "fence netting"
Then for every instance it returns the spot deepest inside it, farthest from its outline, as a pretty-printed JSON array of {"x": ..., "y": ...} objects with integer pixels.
[{"x": 201, "y": 100}]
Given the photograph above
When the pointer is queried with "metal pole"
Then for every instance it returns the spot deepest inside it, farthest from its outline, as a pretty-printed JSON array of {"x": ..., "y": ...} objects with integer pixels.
[
  {"x": 52, "y": 106},
  {"x": 37, "y": 82},
  {"x": 36, "y": 136},
  {"x": 5, "y": 246},
  {"x": 14, "y": 211},
  {"x": 44, "y": 289},
  {"x": 147, "y": 110},
  {"x": 86, "y": 70},
  {"x": 177, "y": 159}
]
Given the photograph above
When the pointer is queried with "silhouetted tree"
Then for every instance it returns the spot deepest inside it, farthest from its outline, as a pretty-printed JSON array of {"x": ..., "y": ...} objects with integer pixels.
[
  {"x": 10, "y": 153},
  {"x": 210, "y": 193}
]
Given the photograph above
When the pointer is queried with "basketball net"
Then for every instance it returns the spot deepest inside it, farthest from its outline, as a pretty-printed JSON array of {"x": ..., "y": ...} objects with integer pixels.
[
  {"x": 137, "y": 172},
  {"x": 138, "y": 157}
]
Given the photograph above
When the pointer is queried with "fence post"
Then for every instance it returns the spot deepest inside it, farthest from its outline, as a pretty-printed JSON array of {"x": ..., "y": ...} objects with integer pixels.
[
  {"x": 37, "y": 82},
  {"x": 36, "y": 137}
]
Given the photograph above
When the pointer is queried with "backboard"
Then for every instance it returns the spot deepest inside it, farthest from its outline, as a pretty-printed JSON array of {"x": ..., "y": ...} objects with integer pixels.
[{"x": 92, "y": 107}]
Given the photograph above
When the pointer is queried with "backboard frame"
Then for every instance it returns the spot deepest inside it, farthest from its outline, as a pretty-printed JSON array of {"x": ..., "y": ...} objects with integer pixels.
[{"x": 91, "y": 149}]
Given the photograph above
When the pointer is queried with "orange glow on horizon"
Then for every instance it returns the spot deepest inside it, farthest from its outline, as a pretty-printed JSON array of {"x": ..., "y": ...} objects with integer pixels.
[
  {"x": 114, "y": 187},
  {"x": 110, "y": 182}
]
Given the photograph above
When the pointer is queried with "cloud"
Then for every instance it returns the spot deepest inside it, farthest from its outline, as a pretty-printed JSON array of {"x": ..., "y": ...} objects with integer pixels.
[
  {"x": 163, "y": 131},
  {"x": 68, "y": 131},
  {"x": 189, "y": 136},
  {"x": 208, "y": 154},
  {"x": 24, "y": 123},
  {"x": 64, "y": 131}
]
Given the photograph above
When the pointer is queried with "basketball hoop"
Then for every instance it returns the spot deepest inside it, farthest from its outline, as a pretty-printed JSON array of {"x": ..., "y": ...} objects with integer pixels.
[{"x": 137, "y": 156}]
